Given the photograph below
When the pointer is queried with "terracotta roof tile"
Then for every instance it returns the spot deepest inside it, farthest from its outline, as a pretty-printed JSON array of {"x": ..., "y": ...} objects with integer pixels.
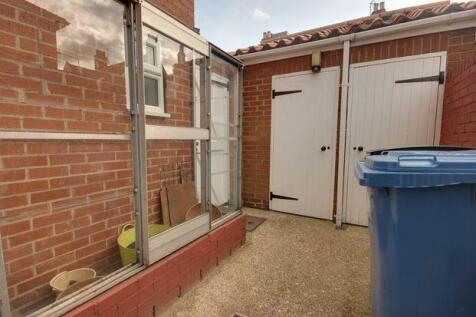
[{"x": 374, "y": 21}]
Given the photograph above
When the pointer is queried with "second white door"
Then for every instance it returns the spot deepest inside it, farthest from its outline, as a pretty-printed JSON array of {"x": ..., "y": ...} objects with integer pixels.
[
  {"x": 303, "y": 142},
  {"x": 392, "y": 103},
  {"x": 220, "y": 138}
]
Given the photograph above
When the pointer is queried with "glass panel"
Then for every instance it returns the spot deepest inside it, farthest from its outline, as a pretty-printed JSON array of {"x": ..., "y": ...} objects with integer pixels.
[
  {"x": 184, "y": 89},
  {"x": 63, "y": 204},
  {"x": 224, "y": 134},
  {"x": 151, "y": 88},
  {"x": 149, "y": 56},
  {"x": 174, "y": 182}
]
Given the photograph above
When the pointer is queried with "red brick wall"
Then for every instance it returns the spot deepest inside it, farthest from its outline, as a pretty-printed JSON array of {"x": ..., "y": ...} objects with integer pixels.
[
  {"x": 257, "y": 96},
  {"x": 61, "y": 206},
  {"x": 459, "y": 105},
  {"x": 257, "y": 126},
  {"x": 458, "y": 44},
  {"x": 149, "y": 292},
  {"x": 62, "y": 202},
  {"x": 182, "y": 10},
  {"x": 168, "y": 161}
]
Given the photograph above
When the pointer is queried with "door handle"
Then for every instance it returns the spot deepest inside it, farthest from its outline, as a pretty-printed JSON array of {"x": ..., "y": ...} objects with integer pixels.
[{"x": 323, "y": 148}]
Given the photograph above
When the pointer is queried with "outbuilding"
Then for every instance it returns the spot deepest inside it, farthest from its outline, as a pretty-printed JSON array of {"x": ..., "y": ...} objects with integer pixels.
[{"x": 316, "y": 101}]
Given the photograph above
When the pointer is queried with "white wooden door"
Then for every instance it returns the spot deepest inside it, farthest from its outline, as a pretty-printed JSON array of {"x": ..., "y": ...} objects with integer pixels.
[
  {"x": 220, "y": 149},
  {"x": 392, "y": 103},
  {"x": 303, "y": 142},
  {"x": 219, "y": 140}
]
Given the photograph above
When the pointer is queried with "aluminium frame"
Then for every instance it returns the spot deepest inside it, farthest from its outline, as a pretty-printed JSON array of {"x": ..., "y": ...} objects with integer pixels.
[
  {"x": 137, "y": 111},
  {"x": 138, "y": 138},
  {"x": 216, "y": 51},
  {"x": 4, "y": 301}
]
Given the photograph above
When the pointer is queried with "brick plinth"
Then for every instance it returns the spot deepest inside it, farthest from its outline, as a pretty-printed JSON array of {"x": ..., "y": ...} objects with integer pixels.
[{"x": 153, "y": 289}]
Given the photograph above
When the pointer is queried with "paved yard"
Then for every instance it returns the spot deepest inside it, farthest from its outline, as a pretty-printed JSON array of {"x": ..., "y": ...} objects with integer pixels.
[{"x": 289, "y": 266}]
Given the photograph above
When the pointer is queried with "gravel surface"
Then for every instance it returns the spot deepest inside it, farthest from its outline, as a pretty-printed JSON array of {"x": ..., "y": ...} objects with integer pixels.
[{"x": 289, "y": 266}]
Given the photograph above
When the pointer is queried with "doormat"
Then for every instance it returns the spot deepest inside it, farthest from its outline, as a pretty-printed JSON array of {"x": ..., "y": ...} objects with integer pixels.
[{"x": 253, "y": 222}]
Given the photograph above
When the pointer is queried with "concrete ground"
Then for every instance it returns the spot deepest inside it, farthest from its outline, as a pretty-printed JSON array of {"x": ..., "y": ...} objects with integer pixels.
[{"x": 289, "y": 266}]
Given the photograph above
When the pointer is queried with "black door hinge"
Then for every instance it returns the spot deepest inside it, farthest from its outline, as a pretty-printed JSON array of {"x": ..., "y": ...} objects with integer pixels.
[
  {"x": 272, "y": 196},
  {"x": 440, "y": 78},
  {"x": 285, "y": 92}
]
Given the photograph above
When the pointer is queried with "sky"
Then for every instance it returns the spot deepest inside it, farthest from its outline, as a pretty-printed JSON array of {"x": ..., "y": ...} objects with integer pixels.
[{"x": 232, "y": 24}]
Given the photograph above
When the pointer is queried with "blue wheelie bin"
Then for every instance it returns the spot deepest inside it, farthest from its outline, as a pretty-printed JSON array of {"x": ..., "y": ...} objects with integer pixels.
[{"x": 422, "y": 226}]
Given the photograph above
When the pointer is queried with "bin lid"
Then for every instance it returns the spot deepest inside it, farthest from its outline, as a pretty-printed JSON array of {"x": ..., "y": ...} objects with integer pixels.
[{"x": 414, "y": 168}]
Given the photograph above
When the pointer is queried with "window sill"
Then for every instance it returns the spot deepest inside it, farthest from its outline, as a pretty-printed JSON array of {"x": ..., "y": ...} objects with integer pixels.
[{"x": 157, "y": 114}]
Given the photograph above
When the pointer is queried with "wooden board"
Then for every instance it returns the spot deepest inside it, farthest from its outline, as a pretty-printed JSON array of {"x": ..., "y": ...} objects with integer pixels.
[{"x": 180, "y": 199}]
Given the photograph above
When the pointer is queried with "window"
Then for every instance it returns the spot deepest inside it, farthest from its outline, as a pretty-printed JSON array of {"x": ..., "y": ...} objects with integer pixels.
[
  {"x": 79, "y": 224},
  {"x": 83, "y": 201},
  {"x": 154, "y": 90},
  {"x": 225, "y": 132}
]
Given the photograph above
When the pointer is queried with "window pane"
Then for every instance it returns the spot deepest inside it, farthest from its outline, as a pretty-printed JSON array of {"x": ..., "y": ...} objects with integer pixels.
[
  {"x": 149, "y": 57},
  {"x": 151, "y": 88},
  {"x": 224, "y": 122},
  {"x": 174, "y": 181},
  {"x": 183, "y": 73},
  {"x": 67, "y": 200}
]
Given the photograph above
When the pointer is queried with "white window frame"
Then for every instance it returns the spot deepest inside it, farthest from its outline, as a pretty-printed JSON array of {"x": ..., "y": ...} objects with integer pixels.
[{"x": 154, "y": 72}]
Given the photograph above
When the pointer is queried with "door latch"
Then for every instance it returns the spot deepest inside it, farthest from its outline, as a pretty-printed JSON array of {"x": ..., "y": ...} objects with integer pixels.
[
  {"x": 440, "y": 78},
  {"x": 284, "y": 92},
  {"x": 274, "y": 196}
]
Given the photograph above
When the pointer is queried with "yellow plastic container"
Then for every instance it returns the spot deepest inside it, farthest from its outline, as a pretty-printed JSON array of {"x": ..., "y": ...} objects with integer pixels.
[{"x": 127, "y": 238}]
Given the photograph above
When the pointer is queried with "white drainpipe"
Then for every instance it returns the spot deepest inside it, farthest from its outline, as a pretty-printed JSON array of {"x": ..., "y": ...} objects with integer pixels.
[{"x": 343, "y": 124}]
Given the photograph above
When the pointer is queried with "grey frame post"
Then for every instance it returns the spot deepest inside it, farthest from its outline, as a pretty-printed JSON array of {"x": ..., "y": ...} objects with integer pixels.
[
  {"x": 240, "y": 134},
  {"x": 5, "y": 301},
  {"x": 215, "y": 50},
  {"x": 206, "y": 145},
  {"x": 134, "y": 54}
]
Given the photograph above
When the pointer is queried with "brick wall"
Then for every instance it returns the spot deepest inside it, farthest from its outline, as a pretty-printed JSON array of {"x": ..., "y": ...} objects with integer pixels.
[
  {"x": 167, "y": 163},
  {"x": 459, "y": 45},
  {"x": 182, "y": 10},
  {"x": 257, "y": 95},
  {"x": 459, "y": 105},
  {"x": 149, "y": 292},
  {"x": 171, "y": 162},
  {"x": 62, "y": 203}
]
